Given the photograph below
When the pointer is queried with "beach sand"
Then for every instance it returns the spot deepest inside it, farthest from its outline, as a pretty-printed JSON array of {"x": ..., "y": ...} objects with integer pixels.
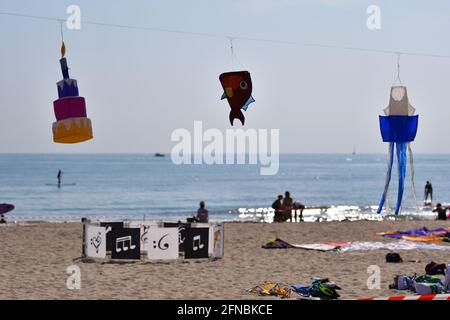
[{"x": 34, "y": 260}]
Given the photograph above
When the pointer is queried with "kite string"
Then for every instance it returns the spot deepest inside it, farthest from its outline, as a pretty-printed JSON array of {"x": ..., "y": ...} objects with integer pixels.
[
  {"x": 398, "y": 68},
  {"x": 215, "y": 35},
  {"x": 232, "y": 52},
  {"x": 61, "y": 22},
  {"x": 233, "y": 57}
]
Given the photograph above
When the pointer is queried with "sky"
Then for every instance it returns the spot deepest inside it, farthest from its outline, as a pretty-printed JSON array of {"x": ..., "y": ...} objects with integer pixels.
[{"x": 140, "y": 85}]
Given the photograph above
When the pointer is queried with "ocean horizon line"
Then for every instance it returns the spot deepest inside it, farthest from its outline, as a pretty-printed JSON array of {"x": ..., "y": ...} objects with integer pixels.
[{"x": 168, "y": 153}]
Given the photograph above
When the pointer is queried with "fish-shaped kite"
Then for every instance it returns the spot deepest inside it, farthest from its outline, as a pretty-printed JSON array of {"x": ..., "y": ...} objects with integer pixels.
[
  {"x": 399, "y": 127},
  {"x": 237, "y": 88}
]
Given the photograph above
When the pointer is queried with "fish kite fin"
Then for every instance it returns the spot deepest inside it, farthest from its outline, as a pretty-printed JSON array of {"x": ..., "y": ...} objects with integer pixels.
[
  {"x": 224, "y": 96},
  {"x": 247, "y": 104},
  {"x": 237, "y": 115}
]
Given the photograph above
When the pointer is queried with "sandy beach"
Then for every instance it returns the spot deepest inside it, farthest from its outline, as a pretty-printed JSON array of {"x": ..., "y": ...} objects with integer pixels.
[{"x": 35, "y": 258}]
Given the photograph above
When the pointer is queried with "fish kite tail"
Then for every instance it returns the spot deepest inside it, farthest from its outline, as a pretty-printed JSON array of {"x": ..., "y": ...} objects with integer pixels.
[
  {"x": 388, "y": 177},
  {"x": 237, "y": 114},
  {"x": 411, "y": 164},
  {"x": 401, "y": 158}
]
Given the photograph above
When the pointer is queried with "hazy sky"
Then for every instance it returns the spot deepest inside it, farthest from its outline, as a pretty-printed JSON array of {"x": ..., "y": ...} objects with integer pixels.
[{"x": 141, "y": 85}]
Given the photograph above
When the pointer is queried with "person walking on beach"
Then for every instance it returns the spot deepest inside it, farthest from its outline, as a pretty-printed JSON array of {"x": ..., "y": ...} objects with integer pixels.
[
  {"x": 441, "y": 211},
  {"x": 59, "y": 176},
  {"x": 202, "y": 213},
  {"x": 277, "y": 205},
  {"x": 428, "y": 191},
  {"x": 287, "y": 206}
]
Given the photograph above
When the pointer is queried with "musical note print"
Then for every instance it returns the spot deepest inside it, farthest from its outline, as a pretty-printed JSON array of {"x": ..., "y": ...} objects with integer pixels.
[
  {"x": 166, "y": 245},
  {"x": 181, "y": 230},
  {"x": 144, "y": 236},
  {"x": 97, "y": 241},
  {"x": 199, "y": 245},
  {"x": 196, "y": 245},
  {"x": 121, "y": 244}
]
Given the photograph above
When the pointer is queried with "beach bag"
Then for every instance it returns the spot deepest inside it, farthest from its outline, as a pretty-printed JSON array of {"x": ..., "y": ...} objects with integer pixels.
[
  {"x": 393, "y": 257},
  {"x": 402, "y": 282},
  {"x": 428, "y": 285},
  {"x": 324, "y": 289},
  {"x": 428, "y": 288},
  {"x": 433, "y": 268}
]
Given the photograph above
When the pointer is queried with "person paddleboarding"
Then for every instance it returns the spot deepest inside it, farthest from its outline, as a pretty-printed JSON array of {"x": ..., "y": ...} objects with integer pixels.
[{"x": 59, "y": 176}]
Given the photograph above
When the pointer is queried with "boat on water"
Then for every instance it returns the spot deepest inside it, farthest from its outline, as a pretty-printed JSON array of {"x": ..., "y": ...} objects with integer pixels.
[{"x": 159, "y": 155}]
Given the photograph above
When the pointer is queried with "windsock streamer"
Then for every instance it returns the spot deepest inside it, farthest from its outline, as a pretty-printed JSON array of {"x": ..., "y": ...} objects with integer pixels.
[{"x": 399, "y": 128}]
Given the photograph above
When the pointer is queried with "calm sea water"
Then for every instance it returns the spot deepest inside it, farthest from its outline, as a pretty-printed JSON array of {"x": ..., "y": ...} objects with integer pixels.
[{"x": 131, "y": 186}]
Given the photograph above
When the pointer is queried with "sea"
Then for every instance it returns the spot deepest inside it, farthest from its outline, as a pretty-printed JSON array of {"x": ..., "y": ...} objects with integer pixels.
[{"x": 121, "y": 187}]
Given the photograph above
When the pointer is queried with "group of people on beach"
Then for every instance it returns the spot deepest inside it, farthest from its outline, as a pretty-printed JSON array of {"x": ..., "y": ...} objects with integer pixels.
[
  {"x": 440, "y": 209},
  {"x": 286, "y": 209}
]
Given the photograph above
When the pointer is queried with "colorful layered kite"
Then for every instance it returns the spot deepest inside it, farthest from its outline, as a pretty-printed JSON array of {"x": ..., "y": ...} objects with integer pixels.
[
  {"x": 398, "y": 127},
  {"x": 72, "y": 125},
  {"x": 237, "y": 88}
]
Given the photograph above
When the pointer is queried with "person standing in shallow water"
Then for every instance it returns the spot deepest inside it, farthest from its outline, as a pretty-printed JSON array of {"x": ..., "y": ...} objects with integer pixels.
[
  {"x": 276, "y": 206},
  {"x": 59, "y": 176},
  {"x": 428, "y": 191},
  {"x": 287, "y": 206},
  {"x": 441, "y": 211}
]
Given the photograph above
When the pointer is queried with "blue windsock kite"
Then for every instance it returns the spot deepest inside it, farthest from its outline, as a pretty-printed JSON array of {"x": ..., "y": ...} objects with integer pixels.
[{"x": 398, "y": 127}]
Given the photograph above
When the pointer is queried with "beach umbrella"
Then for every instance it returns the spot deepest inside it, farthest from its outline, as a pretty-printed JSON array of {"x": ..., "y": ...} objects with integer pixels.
[
  {"x": 398, "y": 127},
  {"x": 5, "y": 208},
  {"x": 72, "y": 124}
]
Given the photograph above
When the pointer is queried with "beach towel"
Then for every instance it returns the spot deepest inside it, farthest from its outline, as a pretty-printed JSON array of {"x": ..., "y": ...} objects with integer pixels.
[
  {"x": 329, "y": 246},
  {"x": 281, "y": 244},
  {"x": 393, "y": 246}
]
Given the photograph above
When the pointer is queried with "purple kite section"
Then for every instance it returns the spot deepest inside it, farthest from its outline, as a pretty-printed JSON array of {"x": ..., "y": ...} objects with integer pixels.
[{"x": 417, "y": 233}]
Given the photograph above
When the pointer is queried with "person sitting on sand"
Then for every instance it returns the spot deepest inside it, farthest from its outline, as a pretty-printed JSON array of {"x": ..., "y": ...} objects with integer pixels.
[
  {"x": 298, "y": 206},
  {"x": 441, "y": 211},
  {"x": 287, "y": 206},
  {"x": 202, "y": 213},
  {"x": 277, "y": 205},
  {"x": 2, "y": 219}
]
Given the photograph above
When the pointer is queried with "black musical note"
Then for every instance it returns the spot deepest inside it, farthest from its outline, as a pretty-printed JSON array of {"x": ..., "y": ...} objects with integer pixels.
[
  {"x": 166, "y": 245},
  {"x": 96, "y": 241}
]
